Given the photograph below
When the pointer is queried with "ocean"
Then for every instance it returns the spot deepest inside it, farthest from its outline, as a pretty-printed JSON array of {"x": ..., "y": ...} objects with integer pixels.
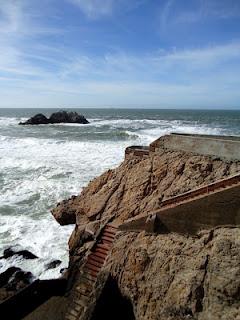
[{"x": 42, "y": 165}]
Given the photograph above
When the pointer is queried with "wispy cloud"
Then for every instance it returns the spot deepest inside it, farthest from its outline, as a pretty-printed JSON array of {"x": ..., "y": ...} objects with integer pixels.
[
  {"x": 95, "y": 8},
  {"x": 164, "y": 14},
  {"x": 114, "y": 78},
  {"x": 171, "y": 14}
]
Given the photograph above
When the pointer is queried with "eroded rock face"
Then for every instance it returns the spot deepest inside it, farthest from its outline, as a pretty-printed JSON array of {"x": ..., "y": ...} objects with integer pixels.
[
  {"x": 168, "y": 276},
  {"x": 177, "y": 277}
]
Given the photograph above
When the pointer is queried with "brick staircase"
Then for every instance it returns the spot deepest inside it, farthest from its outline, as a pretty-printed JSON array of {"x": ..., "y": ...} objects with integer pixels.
[{"x": 95, "y": 261}]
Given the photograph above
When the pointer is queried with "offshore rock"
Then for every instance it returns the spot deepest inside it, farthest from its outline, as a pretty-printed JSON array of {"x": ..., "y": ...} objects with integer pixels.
[{"x": 56, "y": 117}]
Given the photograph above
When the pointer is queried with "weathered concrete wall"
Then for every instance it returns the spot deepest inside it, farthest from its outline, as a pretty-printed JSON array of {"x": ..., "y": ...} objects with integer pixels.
[
  {"x": 223, "y": 147},
  {"x": 137, "y": 151},
  {"x": 209, "y": 136},
  {"x": 216, "y": 209},
  {"x": 220, "y": 208}
]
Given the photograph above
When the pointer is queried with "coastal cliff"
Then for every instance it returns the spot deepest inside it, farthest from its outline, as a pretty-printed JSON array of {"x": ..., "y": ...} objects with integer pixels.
[{"x": 162, "y": 276}]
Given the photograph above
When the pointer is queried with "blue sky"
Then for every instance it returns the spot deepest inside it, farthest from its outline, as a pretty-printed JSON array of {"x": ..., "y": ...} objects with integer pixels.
[{"x": 120, "y": 53}]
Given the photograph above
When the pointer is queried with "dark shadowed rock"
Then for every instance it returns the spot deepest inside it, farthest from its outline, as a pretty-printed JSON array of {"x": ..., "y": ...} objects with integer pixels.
[
  {"x": 12, "y": 280},
  {"x": 6, "y": 275},
  {"x": 19, "y": 280},
  {"x": 67, "y": 117},
  {"x": 37, "y": 119},
  {"x": 53, "y": 264},
  {"x": 7, "y": 253}
]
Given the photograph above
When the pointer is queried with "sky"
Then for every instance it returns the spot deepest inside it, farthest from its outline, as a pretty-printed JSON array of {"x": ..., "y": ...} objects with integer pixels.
[{"x": 120, "y": 53}]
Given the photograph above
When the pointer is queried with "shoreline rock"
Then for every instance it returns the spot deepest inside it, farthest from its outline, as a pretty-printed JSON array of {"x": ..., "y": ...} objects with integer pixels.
[
  {"x": 12, "y": 280},
  {"x": 164, "y": 276},
  {"x": 56, "y": 117},
  {"x": 9, "y": 252}
]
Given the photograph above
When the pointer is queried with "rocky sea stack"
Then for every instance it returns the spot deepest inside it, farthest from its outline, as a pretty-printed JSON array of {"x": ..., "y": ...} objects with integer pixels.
[{"x": 56, "y": 117}]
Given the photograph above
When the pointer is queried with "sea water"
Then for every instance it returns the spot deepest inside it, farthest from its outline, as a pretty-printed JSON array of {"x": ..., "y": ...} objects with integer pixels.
[{"x": 42, "y": 165}]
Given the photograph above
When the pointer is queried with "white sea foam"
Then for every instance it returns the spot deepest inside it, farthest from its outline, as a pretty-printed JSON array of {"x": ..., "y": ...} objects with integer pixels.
[{"x": 37, "y": 174}]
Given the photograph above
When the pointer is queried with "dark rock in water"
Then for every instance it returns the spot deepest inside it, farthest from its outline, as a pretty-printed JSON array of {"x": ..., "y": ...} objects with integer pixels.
[
  {"x": 37, "y": 119},
  {"x": 67, "y": 117},
  {"x": 13, "y": 280},
  {"x": 19, "y": 280},
  {"x": 53, "y": 264},
  {"x": 7, "y": 253},
  {"x": 57, "y": 117},
  {"x": 6, "y": 275}
]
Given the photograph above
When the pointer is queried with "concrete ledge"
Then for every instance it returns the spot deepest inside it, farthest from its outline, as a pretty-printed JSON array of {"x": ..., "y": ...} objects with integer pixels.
[
  {"x": 224, "y": 147},
  {"x": 137, "y": 151}
]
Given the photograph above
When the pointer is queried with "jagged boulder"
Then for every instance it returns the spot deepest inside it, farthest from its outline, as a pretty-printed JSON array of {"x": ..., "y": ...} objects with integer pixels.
[{"x": 37, "y": 119}]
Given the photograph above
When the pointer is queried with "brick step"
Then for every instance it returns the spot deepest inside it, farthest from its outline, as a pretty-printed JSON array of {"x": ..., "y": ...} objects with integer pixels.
[
  {"x": 84, "y": 288},
  {"x": 92, "y": 256},
  {"x": 110, "y": 230},
  {"x": 95, "y": 263},
  {"x": 108, "y": 234},
  {"x": 92, "y": 273},
  {"x": 78, "y": 308},
  {"x": 103, "y": 246},
  {"x": 92, "y": 267},
  {"x": 106, "y": 238},
  {"x": 88, "y": 278},
  {"x": 81, "y": 293},
  {"x": 82, "y": 301},
  {"x": 72, "y": 315},
  {"x": 98, "y": 253}
]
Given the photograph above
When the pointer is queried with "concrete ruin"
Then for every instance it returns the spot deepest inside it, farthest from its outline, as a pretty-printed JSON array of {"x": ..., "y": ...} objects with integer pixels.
[{"x": 223, "y": 147}]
